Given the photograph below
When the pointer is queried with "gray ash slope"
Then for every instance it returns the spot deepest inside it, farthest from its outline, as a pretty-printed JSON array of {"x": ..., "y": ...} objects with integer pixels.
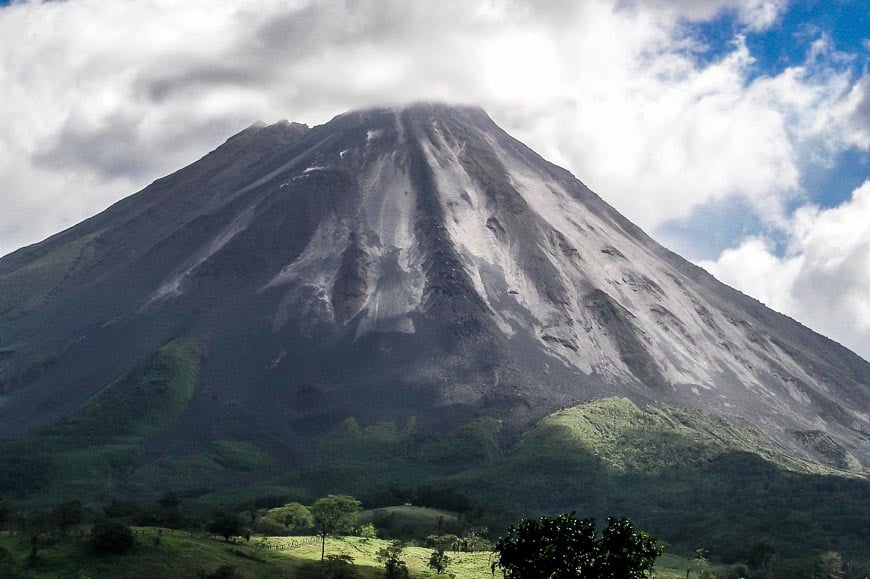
[{"x": 394, "y": 263}]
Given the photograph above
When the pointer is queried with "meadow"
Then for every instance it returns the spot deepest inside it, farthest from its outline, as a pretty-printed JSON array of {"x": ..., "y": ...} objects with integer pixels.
[{"x": 171, "y": 554}]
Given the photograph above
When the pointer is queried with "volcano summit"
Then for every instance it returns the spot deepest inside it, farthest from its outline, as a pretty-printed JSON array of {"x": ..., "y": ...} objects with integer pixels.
[{"x": 389, "y": 264}]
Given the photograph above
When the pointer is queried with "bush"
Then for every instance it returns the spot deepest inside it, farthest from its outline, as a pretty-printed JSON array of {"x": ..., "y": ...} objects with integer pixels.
[
  {"x": 337, "y": 567},
  {"x": 394, "y": 566},
  {"x": 112, "y": 537},
  {"x": 439, "y": 561},
  {"x": 367, "y": 531}
]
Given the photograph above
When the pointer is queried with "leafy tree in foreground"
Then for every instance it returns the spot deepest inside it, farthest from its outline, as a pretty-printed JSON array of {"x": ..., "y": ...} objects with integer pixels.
[
  {"x": 565, "y": 546},
  {"x": 624, "y": 552},
  {"x": 394, "y": 566},
  {"x": 332, "y": 515}
]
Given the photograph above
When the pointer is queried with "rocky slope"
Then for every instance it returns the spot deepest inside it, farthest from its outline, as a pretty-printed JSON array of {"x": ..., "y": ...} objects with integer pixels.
[{"x": 395, "y": 263}]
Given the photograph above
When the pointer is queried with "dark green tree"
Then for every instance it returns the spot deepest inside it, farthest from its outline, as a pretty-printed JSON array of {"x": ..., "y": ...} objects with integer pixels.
[
  {"x": 565, "y": 546},
  {"x": 391, "y": 557},
  {"x": 333, "y": 515},
  {"x": 225, "y": 525},
  {"x": 112, "y": 537}
]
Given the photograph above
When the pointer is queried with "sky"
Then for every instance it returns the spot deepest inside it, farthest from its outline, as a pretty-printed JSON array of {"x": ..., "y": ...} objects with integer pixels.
[{"x": 736, "y": 132}]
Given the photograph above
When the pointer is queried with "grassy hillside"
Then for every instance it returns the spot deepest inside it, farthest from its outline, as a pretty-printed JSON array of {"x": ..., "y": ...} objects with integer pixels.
[
  {"x": 178, "y": 556},
  {"x": 653, "y": 440},
  {"x": 695, "y": 480},
  {"x": 84, "y": 455}
]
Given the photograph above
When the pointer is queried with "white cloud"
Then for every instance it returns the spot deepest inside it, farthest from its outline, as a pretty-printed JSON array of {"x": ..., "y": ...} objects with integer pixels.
[
  {"x": 755, "y": 14},
  {"x": 823, "y": 279},
  {"x": 100, "y": 97}
]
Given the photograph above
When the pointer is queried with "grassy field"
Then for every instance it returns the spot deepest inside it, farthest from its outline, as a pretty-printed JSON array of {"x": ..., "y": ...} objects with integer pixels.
[{"x": 178, "y": 556}]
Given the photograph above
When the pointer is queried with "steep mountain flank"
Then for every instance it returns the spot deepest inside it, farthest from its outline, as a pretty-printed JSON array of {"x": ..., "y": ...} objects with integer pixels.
[{"x": 397, "y": 263}]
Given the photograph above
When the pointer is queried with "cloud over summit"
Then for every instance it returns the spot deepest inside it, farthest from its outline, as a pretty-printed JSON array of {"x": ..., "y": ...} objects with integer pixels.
[{"x": 102, "y": 97}]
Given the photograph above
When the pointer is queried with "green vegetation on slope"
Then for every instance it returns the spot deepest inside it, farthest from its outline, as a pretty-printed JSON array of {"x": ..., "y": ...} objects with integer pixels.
[
  {"x": 83, "y": 455},
  {"x": 695, "y": 480},
  {"x": 652, "y": 440},
  {"x": 23, "y": 288},
  {"x": 236, "y": 455}
]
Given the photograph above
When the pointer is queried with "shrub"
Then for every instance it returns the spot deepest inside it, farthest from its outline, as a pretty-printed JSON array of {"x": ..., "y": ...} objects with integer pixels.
[
  {"x": 367, "y": 531},
  {"x": 439, "y": 561},
  {"x": 112, "y": 537},
  {"x": 337, "y": 567},
  {"x": 394, "y": 566}
]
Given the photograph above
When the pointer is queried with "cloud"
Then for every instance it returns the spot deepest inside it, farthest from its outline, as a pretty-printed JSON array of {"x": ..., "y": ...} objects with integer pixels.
[
  {"x": 101, "y": 97},
  {"x": 824, "y": 277},
  {"x": 755, "y": 14}
]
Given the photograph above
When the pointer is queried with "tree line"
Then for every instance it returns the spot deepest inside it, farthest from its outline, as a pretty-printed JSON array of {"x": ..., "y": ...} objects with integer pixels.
[{"x": 554, "y": 547}]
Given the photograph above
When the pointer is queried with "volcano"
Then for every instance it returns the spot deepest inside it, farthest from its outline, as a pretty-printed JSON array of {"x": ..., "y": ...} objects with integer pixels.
[{"x": 389, "y": 264}]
